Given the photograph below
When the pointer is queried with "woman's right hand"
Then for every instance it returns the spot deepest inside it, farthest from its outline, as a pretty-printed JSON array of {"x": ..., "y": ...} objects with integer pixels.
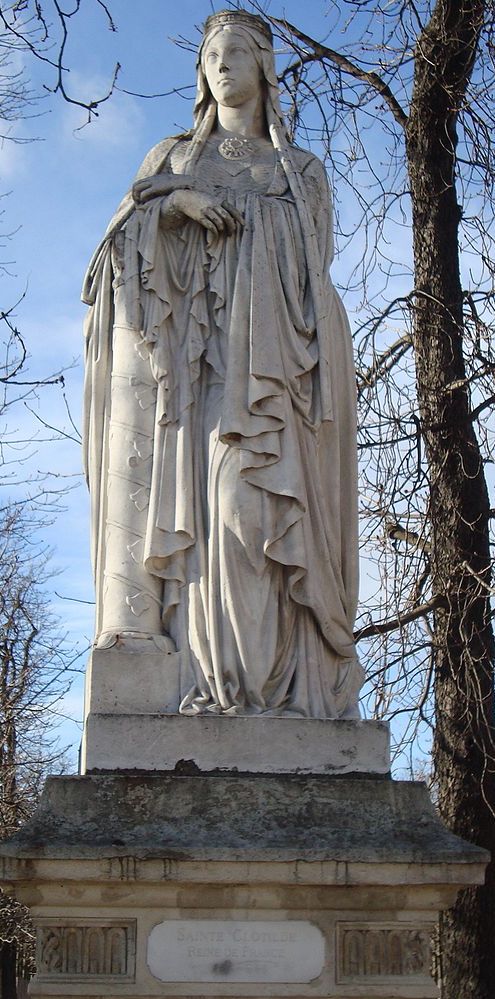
[
  {"x": 157, "y": 185},
  {"x": 213, "y": 214}
]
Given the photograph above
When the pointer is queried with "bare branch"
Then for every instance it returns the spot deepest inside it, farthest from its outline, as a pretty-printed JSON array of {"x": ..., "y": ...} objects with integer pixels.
[
  {"x": 384, "y": 627},
  {"x": 322, "y": 53}
]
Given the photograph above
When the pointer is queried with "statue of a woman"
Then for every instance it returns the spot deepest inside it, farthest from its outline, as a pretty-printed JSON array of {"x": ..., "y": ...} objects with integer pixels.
[{"x": 220, "y": 406}]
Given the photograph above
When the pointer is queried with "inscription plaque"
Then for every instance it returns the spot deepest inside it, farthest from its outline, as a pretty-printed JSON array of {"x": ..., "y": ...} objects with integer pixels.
[{"x": 236, "y": 950}]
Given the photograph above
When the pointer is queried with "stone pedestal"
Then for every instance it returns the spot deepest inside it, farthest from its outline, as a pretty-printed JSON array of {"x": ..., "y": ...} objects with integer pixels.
[
  {"x": 235, "y": 885},
  {"x": 228, "y": 744},
  {"x": 132, "y": 723}
]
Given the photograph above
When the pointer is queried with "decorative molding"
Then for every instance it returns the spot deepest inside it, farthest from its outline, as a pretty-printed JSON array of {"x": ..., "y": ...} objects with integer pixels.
[
  {"x": 99, "y": 949},
  {"x": 377, "y": 951}
]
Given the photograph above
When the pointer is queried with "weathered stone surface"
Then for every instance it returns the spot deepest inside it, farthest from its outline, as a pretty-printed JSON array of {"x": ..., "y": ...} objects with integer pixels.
[
  {"x": 373, "y": 952},
  {"x": 256, "y": 744},
  {"x": 134, "y": 677},
  {"x": 248, "y": 818},
  {"x": 71, "y": 949},
  {"x": 254, "y": 950},
  {"x": 350, "y": 873}
]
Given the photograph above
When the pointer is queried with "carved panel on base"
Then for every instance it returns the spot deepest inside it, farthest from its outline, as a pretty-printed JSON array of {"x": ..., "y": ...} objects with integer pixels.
[
  {"x": 100, "y": 949},
  {"x": 379, "y": 952}
]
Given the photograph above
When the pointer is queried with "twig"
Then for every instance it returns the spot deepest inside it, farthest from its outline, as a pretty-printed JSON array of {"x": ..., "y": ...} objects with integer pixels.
[
  {"x": 322, "y": 52},
  {"x": 383, "y": 627}
]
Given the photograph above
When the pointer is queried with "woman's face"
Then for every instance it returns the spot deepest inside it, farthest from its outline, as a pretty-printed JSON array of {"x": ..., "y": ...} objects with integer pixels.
[{"x": 231, "y": 69}]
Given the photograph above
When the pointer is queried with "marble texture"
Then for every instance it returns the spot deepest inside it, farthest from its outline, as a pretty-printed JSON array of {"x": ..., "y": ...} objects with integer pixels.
[
  {"x": 215, "y": 744},
  {"x": 220, "y": 415},
  {"x": 235, "y": 950}
]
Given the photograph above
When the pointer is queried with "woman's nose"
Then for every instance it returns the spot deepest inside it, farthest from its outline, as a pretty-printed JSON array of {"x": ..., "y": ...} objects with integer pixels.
[{"x": 223, "y": 66}]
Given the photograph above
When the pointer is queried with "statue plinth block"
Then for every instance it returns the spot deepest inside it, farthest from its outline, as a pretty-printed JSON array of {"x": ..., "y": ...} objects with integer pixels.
[
  {"x": 145, "y": 886},
  {"x": 252, "y": 744},
  {"x": 132, "y": 677},
  {"x": 132, "y": 722}
]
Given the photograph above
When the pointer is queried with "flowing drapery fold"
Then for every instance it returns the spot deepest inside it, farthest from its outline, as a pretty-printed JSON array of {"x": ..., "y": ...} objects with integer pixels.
[{"x": 251, "y": 523}]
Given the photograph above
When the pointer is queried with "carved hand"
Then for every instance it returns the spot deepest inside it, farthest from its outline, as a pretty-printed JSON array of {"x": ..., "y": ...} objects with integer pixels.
[
  {"x": 158, "y": 185},
  {"x": 215, "y": 215}
]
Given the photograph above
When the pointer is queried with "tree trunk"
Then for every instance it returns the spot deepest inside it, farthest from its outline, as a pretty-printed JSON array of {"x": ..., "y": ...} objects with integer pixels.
[
  {"x": 8, "y": 974},
  {"x": 459, "y": 505}
]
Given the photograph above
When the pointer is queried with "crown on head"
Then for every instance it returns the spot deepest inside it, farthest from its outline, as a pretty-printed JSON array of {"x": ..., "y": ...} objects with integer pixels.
[{"x": 240, "y": 17}]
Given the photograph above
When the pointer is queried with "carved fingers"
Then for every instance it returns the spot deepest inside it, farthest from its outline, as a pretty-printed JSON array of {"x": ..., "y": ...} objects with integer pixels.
[
  {"x": 158, "y": 185},
  {"x": 217, "y": 216},
  {"x": 221, "y": 218}
]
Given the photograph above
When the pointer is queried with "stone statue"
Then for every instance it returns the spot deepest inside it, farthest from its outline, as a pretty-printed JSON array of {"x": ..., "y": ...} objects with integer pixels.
[{"x": 220, "y": 407}]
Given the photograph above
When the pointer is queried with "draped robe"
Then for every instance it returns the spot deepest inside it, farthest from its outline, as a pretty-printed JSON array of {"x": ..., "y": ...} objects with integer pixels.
[{"x": 251, "y": 511}]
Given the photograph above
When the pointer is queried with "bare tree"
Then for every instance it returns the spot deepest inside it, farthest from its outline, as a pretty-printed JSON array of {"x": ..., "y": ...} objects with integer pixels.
[
  {"x": 404, "y": 110},
  {"x": 36, "y": 668},
  {"x": 32, "y": 31},
  {"x": 40, "y": 30},
  {"x": 36, "y": 662}
]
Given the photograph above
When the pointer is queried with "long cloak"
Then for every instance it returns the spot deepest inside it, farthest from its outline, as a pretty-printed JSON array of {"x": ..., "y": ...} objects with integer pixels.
[{"x": 251, "y": 515}]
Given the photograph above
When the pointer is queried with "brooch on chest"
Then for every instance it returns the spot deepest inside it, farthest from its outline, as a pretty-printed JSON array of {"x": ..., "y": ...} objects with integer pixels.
[{"x": 233, "y": 148}]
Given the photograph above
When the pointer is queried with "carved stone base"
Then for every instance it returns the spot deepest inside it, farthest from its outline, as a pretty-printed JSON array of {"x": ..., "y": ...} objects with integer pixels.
[
  {"x": 223, "y": 743},
  {"x": 276, "y": 886},
  {"x": 132, "y": 723}
]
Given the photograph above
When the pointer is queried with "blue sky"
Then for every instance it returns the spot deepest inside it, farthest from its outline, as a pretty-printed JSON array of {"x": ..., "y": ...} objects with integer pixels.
[{"x": 63, "y": 190}]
